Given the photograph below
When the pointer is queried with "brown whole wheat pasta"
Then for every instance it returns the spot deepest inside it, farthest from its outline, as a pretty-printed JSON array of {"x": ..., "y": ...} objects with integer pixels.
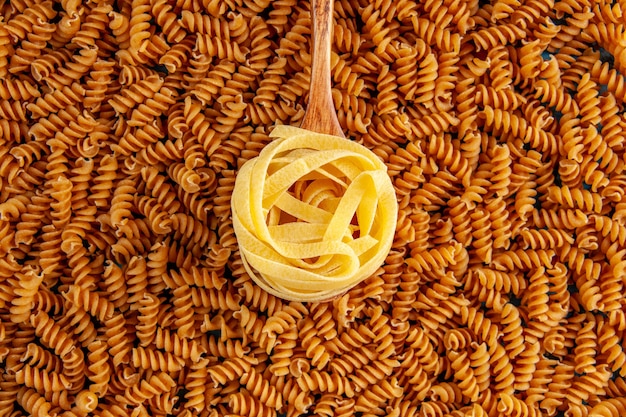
[{"x": 123, "y": 125}]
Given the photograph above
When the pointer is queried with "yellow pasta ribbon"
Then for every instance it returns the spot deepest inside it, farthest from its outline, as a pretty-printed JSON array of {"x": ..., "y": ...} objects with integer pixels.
[{"x": 314, "y": 214}]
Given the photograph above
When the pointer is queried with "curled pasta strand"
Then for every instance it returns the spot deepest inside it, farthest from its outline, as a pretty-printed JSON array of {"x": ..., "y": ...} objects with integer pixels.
[
  {"x": 483, "y": 241},
  {"x": 157, "y": 361},
  {"x": 91, "y": 29},
  {"x": 427, "y": 74},
  {"x": 139, "y": 26},
  {"x": 433, "y": 123},
  {"x": 180, "y": 347},
  {"x": 229, "y": 370},
  {"x": 327, "y": 382},
  {"x": 524, "y": 259},
  {"x": 74, "y": 69},
  {"x": 172, "y": 27},
  {"x": 435, "y": 258},
  {"x": 40, "y": 358},
  {"x": 146, "y": 389},
  {"x": 154, "y": 212},
  {"x": 508, "y": 122},
  {"x": 433, "y": 35},
  {"x": 505, "y": 99},
  {"x": 32, "y": 402},
  {"x": 196, "y": 385},
  {"x": 41, "y": 380},
  {"x": 201, "y": 126},
  {"x": 51, "y": 334},
  {"x": 135, "y": 139},
  {"x": 117, "y": 339},
  {"x": 25, "y": 289},
  {"x": 99, "y": 370},
  {"x": 387, "y": 98},
  {"x": 58, "y": 99},
  {"x": 21, "y": 25},
  {"x": 178, "y": 54},
  {"x": 136, "y": 93},
  {"x": 13, "y": 110},
  {"x": 209, "y": 87},
  {"x": 612, "y": 229},
  {"x": 16, "y": 89},
  {"x": 92, "y": 303},
  {"x": 220, "y": 48},
  {"x": 232, "y": 110},
  {"x": 586, "y": 96},
  {"x": 545, "y": 238},
  {"x": 497, "y": 35},
  {"x": 576, "y": 198}
]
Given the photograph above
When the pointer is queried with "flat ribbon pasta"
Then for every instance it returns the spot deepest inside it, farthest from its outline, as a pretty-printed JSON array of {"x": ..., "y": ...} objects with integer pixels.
[{"x": 314, "y": 214}]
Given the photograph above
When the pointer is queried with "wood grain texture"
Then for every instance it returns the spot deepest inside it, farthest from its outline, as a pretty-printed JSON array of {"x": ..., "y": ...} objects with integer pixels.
[{"x": 320, "y": 114}]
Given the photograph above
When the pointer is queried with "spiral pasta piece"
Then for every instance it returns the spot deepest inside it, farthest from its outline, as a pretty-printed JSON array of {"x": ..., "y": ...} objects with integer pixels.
[
  {"x": 98, "y": 371},
  {"x": 326, "y": 259},
  {"x": 33, "y": 403},
  {"x": 52, "y": 335},
  {"x": 155, "y": 360},
  {"x": 26, "y": 288},
  {"x": 41, "y": 380}
]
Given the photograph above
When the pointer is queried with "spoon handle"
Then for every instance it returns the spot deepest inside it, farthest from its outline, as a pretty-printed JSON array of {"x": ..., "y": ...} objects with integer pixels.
[{"x": 320, "y": 115}]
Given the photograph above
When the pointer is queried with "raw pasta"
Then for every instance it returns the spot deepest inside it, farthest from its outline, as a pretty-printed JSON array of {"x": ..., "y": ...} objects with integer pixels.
[
  {"x": 314, "y": 215},
  {"x": 124, "y": 290}
]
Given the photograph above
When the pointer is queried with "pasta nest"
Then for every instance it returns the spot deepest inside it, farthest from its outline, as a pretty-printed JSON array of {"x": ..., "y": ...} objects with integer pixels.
[{"x": 314, "y": 214}]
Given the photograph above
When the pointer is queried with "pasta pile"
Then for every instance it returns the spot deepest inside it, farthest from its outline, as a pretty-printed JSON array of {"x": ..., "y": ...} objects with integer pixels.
[
  {"x": 122, "y": 289},
  {"x": 313, "y": 214}
]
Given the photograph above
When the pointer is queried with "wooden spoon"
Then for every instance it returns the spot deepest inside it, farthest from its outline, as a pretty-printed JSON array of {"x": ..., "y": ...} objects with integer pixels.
[
  {"x": 251, "y": 205},
  {"x": 320, "y": 115}
]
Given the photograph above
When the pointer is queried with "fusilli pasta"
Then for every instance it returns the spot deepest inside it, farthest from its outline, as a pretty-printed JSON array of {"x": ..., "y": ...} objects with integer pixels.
[{"x": 123, "y": 290}]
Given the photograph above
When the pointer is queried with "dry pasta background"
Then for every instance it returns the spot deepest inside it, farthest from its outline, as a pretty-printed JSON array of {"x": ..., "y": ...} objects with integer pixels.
[{"x": 122, "y": 127}]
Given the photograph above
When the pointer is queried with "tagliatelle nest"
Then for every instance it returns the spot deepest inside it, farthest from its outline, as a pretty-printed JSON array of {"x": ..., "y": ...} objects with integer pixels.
[{"x": 314, "y": 214}]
